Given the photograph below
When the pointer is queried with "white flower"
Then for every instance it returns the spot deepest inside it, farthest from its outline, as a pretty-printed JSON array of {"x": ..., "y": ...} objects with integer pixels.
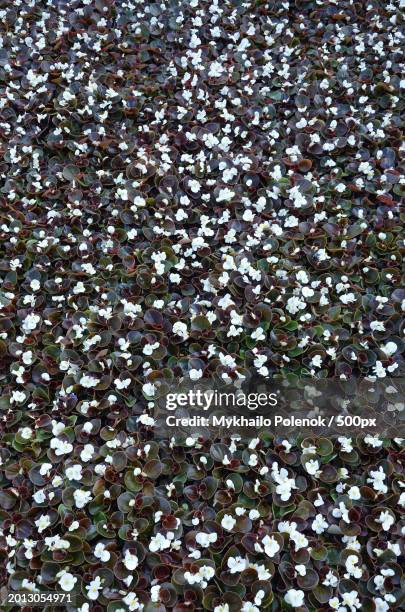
[
  {"x": 307, "y": 292},
  {"x": 81, "y": 498},
  {"x": 322, "y": 255},
  {"x": 351, "y": 566},
  {"x": 262, "y": 572},
  {"x": 377, "y": 480},
  {"x": 122, "y": 384},
  {"x": 341, "y": 512},
  {"x": 295, "y": 304},
  {"x": 149, "y": 389},
  {"x": 18, "y": 397},
  {"x": 330, "y": 579},
  {"x": 227, "y": 360},
  {"x": 194, "y": 186},
  {"x": 195, "y": 374},
  {"x": 93, "y": 588},
  {"x": 88, "y": 268},
  {"x": 316, "y": 361},
  {"x": 386, "y": 520},
  {"x": 377, "y": 326},
  {"x": 354, "y": 493},
  {"x": 225, "y": 302},
  {"x": 366, "y": 168},
  {"x": 75, "y": 525},
  {"x": 74, "y": 472},
  {"x": 27, "y": 357},
  {"x": 130, "y": 561},
  {"x": 373, "y": 441},
  {"x": 294, "y": 598},
  {"x": 225, "y": 195},
  {"x": 26, "y": 433},
  {"x": 296, "y": 196},
  {"x": 180, "y": 329},
  {"x": 87, "y": 381},
  {"x": 228, "y": 522},
  {"x": 249, "y": 607},
  {"x": 271, "y": 546},
  {"x": 258, "y": 334},
  {"x": 57, "y": 427},
  {"x": 35, "y": 285},
  {"x": 319, "y": 501},
  {"x": 253, "y": 460},
  {"x": 159, "y": 542},
  {"x": 67, "y": 581},
  {"x": 61, "y": 447},
  {"x": 101, "y": 553},
  {"x": 79, "y": 288},
  {"x": 39, "y": 496},
  {"x": 43, "y": 522},
  {"x": 193, "y": 578},
  {"x": 29, "y": 545},
  {"x": 132, "y": 601},
  {"x": 287, "y": 527},
  {"x": 285, "y": 484},
  {"x": 145, "y": 419},
  {"x": 29, "y": 586},
  {"x": 381, "y": 605},
  {"x": 87, "y": 452},
  {"x": 30, "y": 322},
  {"x": 299, "y": 540},
  {"x": 215, "y": 70},
  {"x": 248, "y": 215},
  {"x": 205, "y": 539},
  {"x": 347, "y": 298},
  {"x": 207, "y": 572},
  {"x": 351, "y": 599},
  {"x": 222, "y": 608},
  {"x": 312, "y": 467},
  {"x": 379, "y": 370},
  {"x": 154, "y": 593},
  {"x": 291, "y": 221},
  {"x": 45, "y": 469},
  {"x": 319, "y": 524},
  {"x": 302, "y": 277},
  {"x": 308, "y": 450},
  {"x": 346, "y": 444}
]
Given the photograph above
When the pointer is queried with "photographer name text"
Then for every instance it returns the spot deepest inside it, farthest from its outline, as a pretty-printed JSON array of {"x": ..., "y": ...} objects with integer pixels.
[{"x": 274, "y": 421}]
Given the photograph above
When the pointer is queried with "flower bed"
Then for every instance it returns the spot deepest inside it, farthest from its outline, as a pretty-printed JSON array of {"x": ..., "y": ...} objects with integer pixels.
[{"x": 198, "y": 190}]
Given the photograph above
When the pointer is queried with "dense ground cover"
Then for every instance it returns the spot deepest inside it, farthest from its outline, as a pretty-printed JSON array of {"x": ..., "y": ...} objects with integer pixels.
[{"x": 205, "y": 190}]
